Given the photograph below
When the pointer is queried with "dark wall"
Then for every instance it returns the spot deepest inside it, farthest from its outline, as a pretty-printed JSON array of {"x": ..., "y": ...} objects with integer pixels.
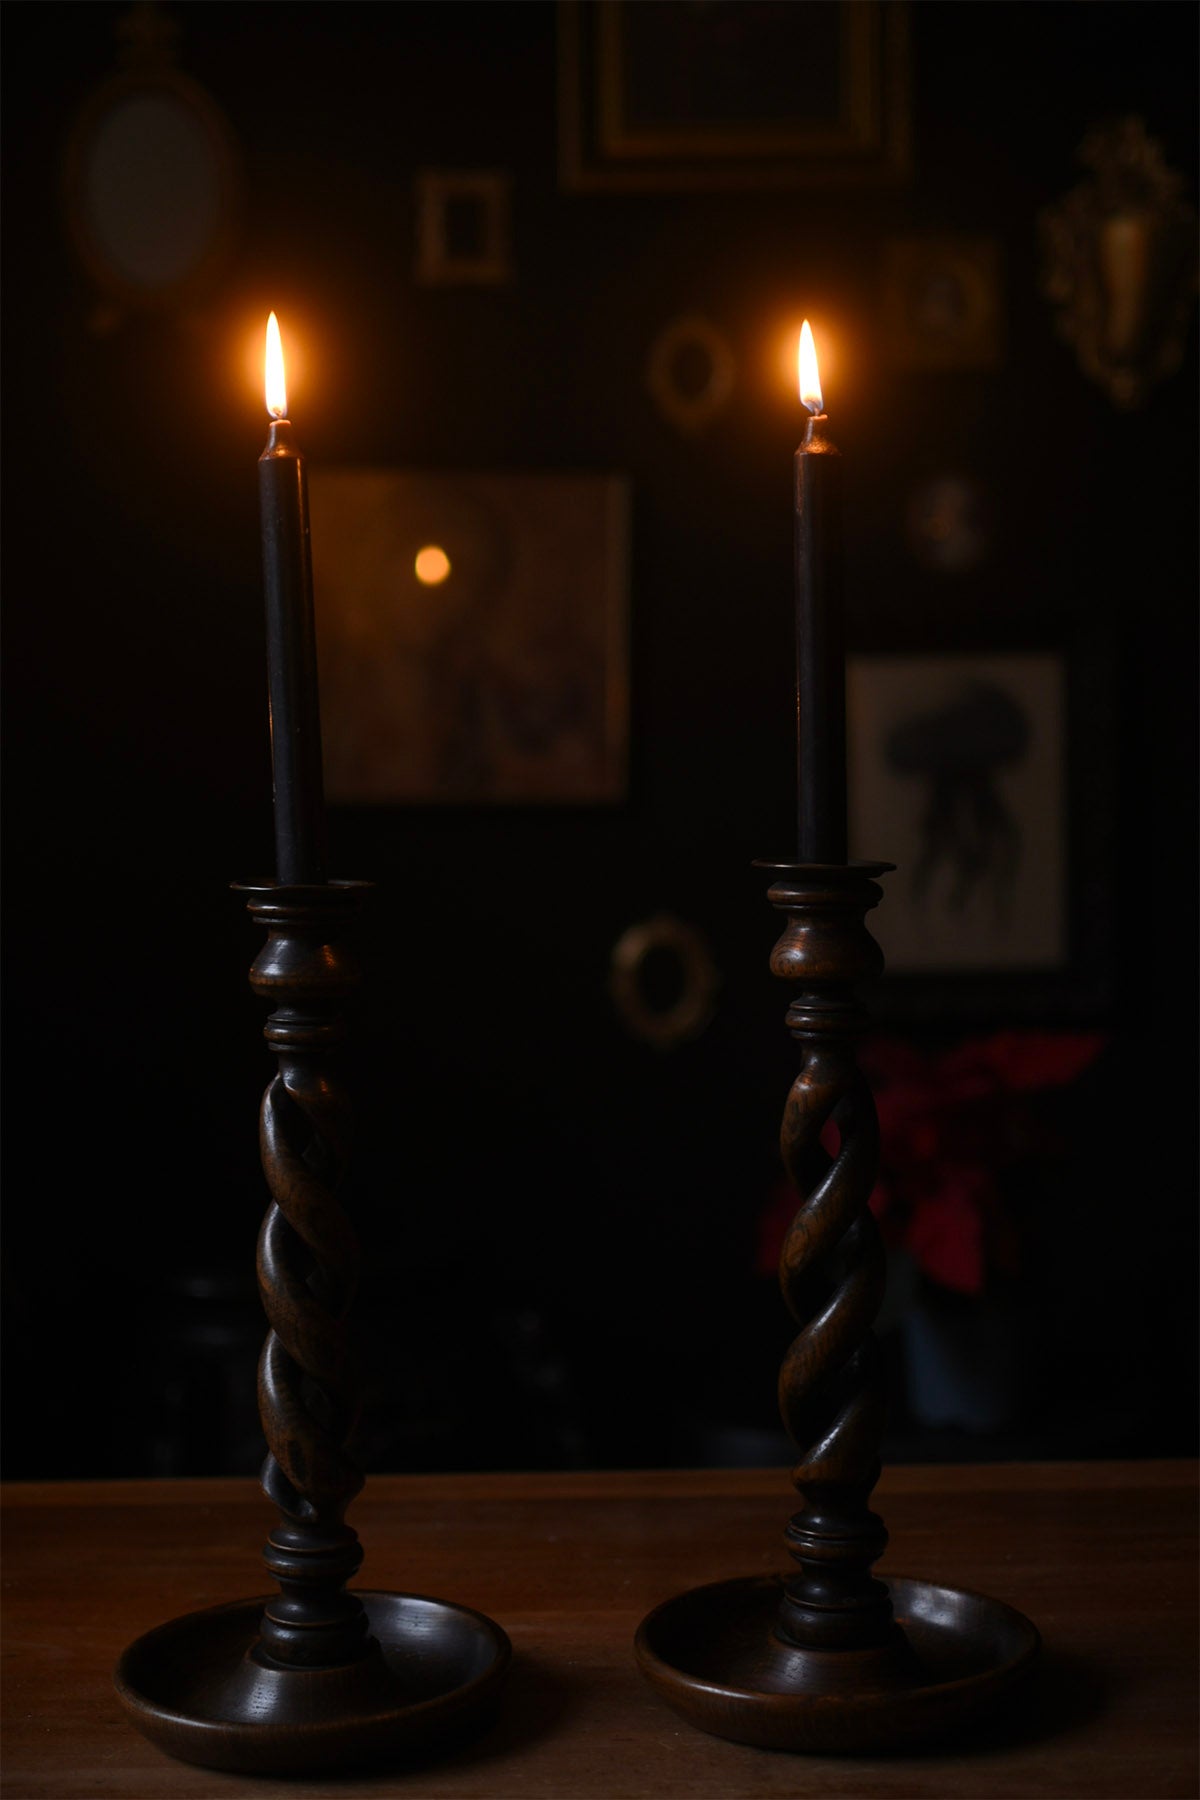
[{"x": 561, "y": 1223}]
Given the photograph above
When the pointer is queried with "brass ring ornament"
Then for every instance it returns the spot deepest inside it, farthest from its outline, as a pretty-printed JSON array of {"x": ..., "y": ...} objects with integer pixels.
[
  {"x": 685, "y": 1017},
  {"x": 690, "y": 372}
]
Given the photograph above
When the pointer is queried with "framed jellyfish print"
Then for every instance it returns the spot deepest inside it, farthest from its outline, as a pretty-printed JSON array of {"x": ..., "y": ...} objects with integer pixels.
[{"x": 965, "y": 771}]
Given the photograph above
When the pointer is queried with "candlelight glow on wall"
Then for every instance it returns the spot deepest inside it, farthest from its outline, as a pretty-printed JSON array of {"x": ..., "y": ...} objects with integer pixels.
[
  {"x": 275, "y": 383},
  {"x": 810, "y": 380}
]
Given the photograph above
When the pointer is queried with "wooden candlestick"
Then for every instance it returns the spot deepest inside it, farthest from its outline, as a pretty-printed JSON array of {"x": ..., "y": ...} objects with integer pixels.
[
  {"x": 315, "y": 1676},
  {"x": 831, "y": 1658}
]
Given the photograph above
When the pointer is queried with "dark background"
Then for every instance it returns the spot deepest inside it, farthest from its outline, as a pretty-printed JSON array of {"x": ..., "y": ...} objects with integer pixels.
[{"x": 561, "y": 1224}]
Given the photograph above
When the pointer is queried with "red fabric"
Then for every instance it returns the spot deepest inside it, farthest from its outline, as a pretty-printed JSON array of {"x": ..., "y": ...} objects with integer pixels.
[{"x": 950, "y": 1122}]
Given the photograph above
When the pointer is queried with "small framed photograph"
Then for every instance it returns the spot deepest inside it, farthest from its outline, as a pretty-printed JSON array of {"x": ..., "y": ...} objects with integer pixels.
[
  {"x": 464, "y": 234},
  {"x": 971, "y": 771},
  {"x": 676, "y": 95},
  {"x": 941, "y": 302}
]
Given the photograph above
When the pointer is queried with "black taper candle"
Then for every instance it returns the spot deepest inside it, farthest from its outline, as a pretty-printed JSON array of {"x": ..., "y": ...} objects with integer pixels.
[
  {"x": 291, "y": 659},
  {"x": 820, "y": 648}
]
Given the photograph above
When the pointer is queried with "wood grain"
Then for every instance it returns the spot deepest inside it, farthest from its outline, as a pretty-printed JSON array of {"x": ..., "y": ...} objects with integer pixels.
[{"x": 1101, "y": 1556}]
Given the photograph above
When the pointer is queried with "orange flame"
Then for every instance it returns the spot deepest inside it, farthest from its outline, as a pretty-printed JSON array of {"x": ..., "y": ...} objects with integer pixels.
[
  {"x": 276, "y": 385},
  {"x": 810, "y": 380}
]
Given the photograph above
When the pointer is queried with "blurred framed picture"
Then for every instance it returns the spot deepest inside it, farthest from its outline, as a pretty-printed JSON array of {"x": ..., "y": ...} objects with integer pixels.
[
  {"x": 471, "y": 633},
  {"x": 979, "y": 774},
  {"x": 781, "y": 93},
  {"x": 464, "y": 230},
  {"x": 941, "y": 302}
]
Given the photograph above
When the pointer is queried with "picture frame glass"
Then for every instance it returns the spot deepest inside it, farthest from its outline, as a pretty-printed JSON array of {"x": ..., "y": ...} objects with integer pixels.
[
  {"x": 472, "y": 635},
  {"x": 957, "y": 774}
]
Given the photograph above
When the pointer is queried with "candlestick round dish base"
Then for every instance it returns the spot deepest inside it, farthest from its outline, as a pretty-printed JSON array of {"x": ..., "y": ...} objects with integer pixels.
[
  {"x": 712, "y": 1654},
  {"x": 196, "y": 1689}
]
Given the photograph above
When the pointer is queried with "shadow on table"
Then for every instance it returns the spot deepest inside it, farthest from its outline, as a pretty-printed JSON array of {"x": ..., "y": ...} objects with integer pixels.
[
  {"x": 535, "y": 1698},
  {"x": 1062, "y": 1693},
  {"x": 538, "y": 1697}
]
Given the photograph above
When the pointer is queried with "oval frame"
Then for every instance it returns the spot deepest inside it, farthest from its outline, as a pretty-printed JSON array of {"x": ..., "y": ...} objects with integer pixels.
[
  {"x": 663, "y": 1027},
  {"x": 189, "y": 96},
  {"x": 686, "y": 410}
]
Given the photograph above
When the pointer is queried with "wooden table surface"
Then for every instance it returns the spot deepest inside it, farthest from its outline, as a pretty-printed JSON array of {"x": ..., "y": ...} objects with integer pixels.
[{"x": 1102, "y": 1556}]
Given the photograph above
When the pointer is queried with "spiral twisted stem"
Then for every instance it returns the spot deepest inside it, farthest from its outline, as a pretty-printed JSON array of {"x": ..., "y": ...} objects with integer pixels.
[
  {"x": 829, "y": 1388},
  {"x": 307, "y": 1269},
  {"x": 832, "y": 1268},
  {"x": 307, "y": 1263}
]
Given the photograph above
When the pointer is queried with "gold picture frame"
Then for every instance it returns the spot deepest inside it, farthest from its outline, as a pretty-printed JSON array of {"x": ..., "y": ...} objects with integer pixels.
[
  {"x": 464, "y": 227},
  {"x": 669, "y": 96}
]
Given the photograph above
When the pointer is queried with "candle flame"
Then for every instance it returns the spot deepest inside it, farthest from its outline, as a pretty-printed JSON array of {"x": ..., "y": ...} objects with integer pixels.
[
  {"x": 276, "y": 385},
  {"x": 810, "y": 380}
]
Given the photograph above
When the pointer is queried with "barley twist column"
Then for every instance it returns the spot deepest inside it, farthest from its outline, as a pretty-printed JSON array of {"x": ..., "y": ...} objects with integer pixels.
[
  {"x": 307, "y": 1269},
  {"x": 313, "y": 1677},
  {"x": 831, "y": 1657},
  {"x": 832, "y": 1267}
]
